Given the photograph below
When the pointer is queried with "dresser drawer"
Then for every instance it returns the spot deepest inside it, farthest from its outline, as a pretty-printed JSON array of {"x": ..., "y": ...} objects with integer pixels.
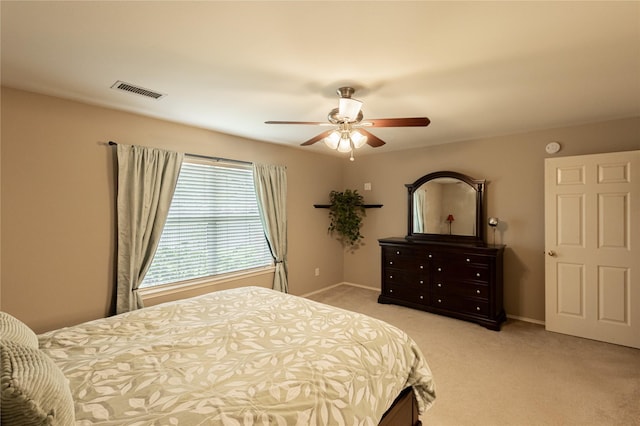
[
  {"x": 408, "y": 293},
  {"x": 460, "y": 272},
  {"x": 462, "y": 305},
  {"x": 473, "y": 259},
  {"x": 461, "y": 259},
  {"x": 401, "y": 252},
  {"x": 463, "y": 289},
  {"x": 405, "y": 277},
  {"x": 404, "y": 258}
]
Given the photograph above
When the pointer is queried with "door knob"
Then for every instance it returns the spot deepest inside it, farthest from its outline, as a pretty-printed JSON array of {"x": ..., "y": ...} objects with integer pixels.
[{"x": 551, "y": 253}]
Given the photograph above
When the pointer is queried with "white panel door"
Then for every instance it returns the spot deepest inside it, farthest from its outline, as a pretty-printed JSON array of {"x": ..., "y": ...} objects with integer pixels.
[{"x": 592, "y": 234}]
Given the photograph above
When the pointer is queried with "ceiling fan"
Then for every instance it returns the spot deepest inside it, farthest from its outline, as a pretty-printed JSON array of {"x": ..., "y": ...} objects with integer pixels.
[{"x": 348, "y": 132}]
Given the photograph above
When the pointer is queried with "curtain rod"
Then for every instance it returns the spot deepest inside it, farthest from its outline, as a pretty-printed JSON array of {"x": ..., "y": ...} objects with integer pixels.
[{"x": 206, "y": 157}]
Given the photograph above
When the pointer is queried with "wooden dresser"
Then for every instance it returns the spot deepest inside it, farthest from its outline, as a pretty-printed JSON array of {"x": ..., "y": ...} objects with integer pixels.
[{"x": 459, "y": 280}]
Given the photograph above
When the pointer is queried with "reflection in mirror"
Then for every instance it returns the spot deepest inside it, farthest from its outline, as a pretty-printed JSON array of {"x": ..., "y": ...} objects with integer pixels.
[{"x": 444, "y": 206}]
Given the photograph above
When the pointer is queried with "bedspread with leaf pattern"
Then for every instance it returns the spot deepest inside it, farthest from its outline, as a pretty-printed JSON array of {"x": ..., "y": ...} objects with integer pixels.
[{"x": 248, "y": 356}]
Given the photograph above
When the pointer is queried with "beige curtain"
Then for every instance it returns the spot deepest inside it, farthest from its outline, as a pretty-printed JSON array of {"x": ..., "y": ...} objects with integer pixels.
[
  {"x": 147, "y": 178},
  {"x": 271, "y": 193}
]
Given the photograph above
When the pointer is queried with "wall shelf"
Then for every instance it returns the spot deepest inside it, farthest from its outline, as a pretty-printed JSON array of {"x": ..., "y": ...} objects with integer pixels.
[{"x": 366, "y": 206}]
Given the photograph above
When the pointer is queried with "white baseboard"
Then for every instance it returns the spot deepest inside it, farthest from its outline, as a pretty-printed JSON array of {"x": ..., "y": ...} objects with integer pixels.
[
  {"x": 321, "y": 290},
  {"x": 525, "y": 319},
  {"x": 361, "y": 286},
  {"x": 339, "y": 284}
]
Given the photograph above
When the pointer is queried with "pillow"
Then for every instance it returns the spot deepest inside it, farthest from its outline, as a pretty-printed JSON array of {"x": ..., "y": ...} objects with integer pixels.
[
  {"x": 11, "y": 328},
  {"x": 34, "y": 390}
]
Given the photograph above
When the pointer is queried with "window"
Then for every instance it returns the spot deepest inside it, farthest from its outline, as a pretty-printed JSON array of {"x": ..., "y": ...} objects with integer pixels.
[{"x": 213, "y": 226}]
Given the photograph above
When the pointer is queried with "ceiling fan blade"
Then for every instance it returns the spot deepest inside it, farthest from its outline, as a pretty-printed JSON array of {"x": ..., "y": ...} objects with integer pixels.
[
  {"x": 316, "y": 138},
  {"x": 397, "y": 122},
  {"x": 315, "y": 123},
  {"x": 372, "y": 139}
]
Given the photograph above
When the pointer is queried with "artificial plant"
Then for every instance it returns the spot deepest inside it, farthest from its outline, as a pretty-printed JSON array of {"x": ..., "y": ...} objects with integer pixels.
[{"x": 345, "y": 214}]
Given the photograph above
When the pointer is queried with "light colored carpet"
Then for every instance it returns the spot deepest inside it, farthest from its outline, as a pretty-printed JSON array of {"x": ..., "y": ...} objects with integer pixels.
[{"x": 522, "y": 375}]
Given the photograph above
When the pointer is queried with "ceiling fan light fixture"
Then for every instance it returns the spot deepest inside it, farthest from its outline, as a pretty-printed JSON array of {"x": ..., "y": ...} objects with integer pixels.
[
  {"x": 346, "y": 119},
  {"x": 348, "y": 109},
  {"x": 345, "y": 143},
  {"x": 333, "y": 139},
  {"x": 358, "y": 139}
]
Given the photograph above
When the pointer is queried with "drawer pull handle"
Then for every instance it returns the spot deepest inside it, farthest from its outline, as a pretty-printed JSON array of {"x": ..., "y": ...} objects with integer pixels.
[
  {"x": 477, "y": 274},
  {"x": 421, "y": 267},
  {"x": 390, "y": 277},
  {"x": 478, "y": 291},
  {"x": 439, "y": 269},
  {"x": 468, "y": 260},
  {"x": 430, "y": 256},
  {"x": 391, "y": 262},
  {"x": 439, "y": 300},
  {"x": 421, "y": 297},
  {"x": 421, "y": 281},
  {"x": 398, "y": 252},
  {"x": 477, "y": 308},
  {"x": 390, "y": 291},
  {"x": 439, "y": 284}
]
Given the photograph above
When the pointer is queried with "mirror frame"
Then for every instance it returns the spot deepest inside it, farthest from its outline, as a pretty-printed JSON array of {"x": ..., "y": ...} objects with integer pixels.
[{"x": 476, "y": 184}]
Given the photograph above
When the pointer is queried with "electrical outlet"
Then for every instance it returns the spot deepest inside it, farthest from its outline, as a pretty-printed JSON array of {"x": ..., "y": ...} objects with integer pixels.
[
  {"x": 317, "y": 272},
  {"x": 367, "y": 186}
]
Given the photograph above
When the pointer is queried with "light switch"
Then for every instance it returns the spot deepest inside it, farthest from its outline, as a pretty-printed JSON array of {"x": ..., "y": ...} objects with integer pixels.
[{"x": 367, "y": 186}]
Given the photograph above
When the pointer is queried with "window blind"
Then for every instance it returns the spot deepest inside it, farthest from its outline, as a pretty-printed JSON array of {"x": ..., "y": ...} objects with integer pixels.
[{"x": 213, "y": 226}]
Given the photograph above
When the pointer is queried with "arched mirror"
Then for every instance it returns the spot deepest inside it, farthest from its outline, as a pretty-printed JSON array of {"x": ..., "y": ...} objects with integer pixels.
[{"x": 446, "y": 206}]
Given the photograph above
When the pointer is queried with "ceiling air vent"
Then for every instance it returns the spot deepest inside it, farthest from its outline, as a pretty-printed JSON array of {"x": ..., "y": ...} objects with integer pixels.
[{"x": 127, "y": 87}]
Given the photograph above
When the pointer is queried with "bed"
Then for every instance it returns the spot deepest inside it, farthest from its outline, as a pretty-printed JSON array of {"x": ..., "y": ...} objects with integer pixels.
[{"x": 247, "y": 356}]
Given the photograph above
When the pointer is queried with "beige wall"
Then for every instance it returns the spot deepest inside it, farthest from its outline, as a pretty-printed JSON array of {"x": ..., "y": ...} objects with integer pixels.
[
  {"x": 57, "y": 202},
  {"x": 58, "y": 222},
  {"x": 514, "y": 169}
]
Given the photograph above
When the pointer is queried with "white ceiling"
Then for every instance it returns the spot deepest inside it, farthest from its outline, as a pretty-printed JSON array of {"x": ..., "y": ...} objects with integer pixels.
[{"x": 476, "y": 69}]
